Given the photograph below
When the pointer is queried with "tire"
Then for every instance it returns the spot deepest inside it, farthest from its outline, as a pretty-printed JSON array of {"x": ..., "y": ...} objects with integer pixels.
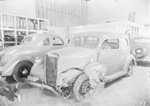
[
  {"x": 130, "y": 69},
  {"x": 78, "y": 94},
  {"x": 3, "y": 102},
  {"x": 22, "y": 70}
]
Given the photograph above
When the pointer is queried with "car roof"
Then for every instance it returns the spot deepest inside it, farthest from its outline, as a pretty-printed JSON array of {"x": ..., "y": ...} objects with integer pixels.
[
  {"x": 44, "y": 35},
  {"x": 141, "y": 37},
  {"x": 101, "y": 34}
]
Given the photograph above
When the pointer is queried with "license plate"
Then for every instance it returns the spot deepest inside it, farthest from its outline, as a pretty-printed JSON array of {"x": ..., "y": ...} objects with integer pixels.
[{"x": 34, "y": 79}]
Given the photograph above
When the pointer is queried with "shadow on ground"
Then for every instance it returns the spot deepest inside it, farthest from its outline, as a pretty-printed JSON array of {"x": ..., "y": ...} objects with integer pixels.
[{"x": 143, "y": 64}]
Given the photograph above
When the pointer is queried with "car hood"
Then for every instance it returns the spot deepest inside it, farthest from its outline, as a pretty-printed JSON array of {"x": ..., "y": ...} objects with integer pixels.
[
  {"x": 17, "y": 50},
  {"x": 73, "y": 57}
]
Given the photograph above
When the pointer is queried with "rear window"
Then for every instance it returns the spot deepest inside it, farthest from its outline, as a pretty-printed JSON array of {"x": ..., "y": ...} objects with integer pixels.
[
  {"x": 27, "y": 40},
  {"x": 57, "y": 42}
]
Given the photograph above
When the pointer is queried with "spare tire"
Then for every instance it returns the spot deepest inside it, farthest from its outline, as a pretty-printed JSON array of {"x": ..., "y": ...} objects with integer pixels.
[{"x": 140, "y": 52}]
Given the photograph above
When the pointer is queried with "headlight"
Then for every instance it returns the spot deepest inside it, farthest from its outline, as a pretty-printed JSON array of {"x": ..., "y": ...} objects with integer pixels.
[
  {"x": 2, "y": 53},
  {"x": 39, "y": 60}
]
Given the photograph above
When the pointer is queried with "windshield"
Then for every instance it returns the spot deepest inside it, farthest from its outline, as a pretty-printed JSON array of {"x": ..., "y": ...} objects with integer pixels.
[
  {"x": 85, "y": 41},
  {"x": 27, "y": 40},
  {"x": 142, "y": 40}
]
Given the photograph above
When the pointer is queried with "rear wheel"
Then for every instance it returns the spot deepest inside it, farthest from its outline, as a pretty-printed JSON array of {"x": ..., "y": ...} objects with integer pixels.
[
  {"x": 3, "y": 102},
  {"x": 22, "y": 70},
  {"x": 130, "y": 69},
  {"x": 82, "y": 88}
]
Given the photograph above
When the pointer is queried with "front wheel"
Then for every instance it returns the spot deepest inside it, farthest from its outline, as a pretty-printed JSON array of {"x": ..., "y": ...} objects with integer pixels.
[
  {"x": 82, "y": 88},
  {"x": 3, "y": 102},
  {"x": 22, "y": 70}
]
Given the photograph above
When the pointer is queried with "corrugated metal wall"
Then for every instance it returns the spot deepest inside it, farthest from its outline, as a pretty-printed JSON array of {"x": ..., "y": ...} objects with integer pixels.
[{"x": 62, "y": 12}]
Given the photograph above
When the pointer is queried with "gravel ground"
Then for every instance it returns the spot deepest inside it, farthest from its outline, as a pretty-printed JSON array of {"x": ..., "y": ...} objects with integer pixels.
[{"x": 126, "y": 91}]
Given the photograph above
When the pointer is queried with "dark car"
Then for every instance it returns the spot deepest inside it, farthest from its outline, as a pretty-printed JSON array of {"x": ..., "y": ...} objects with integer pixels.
[
  {"x": 6, "y": 91},
  {"x": 140, "y": 47}
]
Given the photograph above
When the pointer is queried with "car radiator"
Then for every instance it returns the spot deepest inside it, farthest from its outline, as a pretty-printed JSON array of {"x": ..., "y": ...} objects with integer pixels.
[{"x": 51, "y": 69}]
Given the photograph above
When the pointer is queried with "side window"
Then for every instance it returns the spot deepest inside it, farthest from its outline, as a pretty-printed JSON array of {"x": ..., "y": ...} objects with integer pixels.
[
  {"x": 110, "y": 44},
  {"x": 46, "y": 42},
  {"x": 57, "y": 42},
  {"x": 123, "y": 44}
]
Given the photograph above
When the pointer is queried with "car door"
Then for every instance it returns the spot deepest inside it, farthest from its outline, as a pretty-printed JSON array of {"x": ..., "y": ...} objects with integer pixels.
[
  {"x": 109, "y": 54},
  {"x": 124, "y": 51}
]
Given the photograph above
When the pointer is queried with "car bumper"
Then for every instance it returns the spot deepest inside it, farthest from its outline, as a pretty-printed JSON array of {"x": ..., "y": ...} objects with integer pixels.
[
  {"x": 34, "y": 82},
  {"x": 146, "y": 59}
]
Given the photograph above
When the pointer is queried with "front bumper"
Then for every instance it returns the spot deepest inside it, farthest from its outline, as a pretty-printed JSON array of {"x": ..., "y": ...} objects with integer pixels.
[
  {"x": 146, "y": 59},
  {"x": 34, "y": 81}
]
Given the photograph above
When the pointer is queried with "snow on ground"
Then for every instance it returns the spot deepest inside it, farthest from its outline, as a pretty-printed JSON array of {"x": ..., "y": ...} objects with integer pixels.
[{"x": 126, "y": 91}]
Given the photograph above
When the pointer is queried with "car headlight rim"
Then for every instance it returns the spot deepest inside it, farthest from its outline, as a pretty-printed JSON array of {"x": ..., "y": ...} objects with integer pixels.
[{"x": 39, "y": 60}]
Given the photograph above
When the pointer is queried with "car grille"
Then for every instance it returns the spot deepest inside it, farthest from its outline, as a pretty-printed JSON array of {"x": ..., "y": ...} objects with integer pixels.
[{"x": 51, "y": 69}]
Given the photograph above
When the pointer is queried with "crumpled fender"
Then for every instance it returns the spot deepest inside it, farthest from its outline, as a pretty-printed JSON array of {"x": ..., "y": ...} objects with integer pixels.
[
  {"x": 9, "y": 67},
  {"x": 68, "y": 77},
  {"x": 96, "y": 73}
]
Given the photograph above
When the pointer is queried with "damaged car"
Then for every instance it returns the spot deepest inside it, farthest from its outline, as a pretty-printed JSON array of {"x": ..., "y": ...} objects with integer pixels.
[
  {"x": 18, "y": 60},
  {"x": 91, "y": 60}
]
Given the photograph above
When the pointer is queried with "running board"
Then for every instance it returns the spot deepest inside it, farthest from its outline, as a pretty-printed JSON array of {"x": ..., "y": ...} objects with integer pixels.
[{"x": 115, "y": 76}]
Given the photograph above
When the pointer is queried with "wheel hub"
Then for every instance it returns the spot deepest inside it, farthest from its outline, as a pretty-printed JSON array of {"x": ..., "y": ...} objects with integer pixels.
[
  {"x": 25, "y": 72},
  {"x": 85, "y": 88}
]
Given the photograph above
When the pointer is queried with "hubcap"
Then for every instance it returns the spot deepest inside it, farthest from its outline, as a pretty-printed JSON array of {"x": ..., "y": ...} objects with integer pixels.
[
  {"x": 24, "y": 71},
  {"x": 85, "y": 88}
]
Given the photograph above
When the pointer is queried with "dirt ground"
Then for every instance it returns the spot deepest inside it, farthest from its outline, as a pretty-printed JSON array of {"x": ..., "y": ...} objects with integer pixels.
[{"x": 126, "y": 91}]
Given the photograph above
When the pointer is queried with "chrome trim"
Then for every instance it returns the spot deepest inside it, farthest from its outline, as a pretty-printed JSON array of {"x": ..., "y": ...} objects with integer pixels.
[{"x": 1, "y": 69}]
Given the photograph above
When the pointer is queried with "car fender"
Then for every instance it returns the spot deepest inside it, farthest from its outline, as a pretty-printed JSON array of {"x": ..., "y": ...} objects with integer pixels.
[
  {"x": 68, "y": 77},
  {"x": 128, "y": 60},
  {"x": 96, "y": 73},
  {"x": 9, "y": 67}
]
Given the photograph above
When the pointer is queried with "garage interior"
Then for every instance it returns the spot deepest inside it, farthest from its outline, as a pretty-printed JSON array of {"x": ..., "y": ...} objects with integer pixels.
[{"x": 20, "y": 18}]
